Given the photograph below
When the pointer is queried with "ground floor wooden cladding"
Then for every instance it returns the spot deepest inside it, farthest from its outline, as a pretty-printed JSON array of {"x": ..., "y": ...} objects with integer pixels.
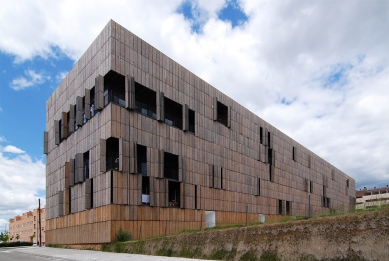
[{"x": 101, "y": 225}]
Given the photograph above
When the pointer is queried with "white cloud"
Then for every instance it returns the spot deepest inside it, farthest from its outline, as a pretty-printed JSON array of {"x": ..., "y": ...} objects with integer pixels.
[
  {"x": 60, "y": 76},
  {"x": 3, "y": 139},
  {"x": 13, "y": 149},
  {"x": 21, "y": 179},
  {"x": 282, "y": 63},
  {"x": 31, "y": 79}
]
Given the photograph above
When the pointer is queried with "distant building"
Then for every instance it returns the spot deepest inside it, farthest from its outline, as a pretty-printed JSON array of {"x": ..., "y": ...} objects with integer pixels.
[
  {"x": 136, "y": 141},
  {"x": 368, "y": 198},
  {"x": 27, "y": 228}
]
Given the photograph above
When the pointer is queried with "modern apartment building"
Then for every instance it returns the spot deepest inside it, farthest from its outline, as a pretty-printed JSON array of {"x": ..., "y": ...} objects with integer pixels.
[
  {"x": 136, "y": 141},
  {"x": 26, "y": 227},
  {"x": 369, "y": 198}
]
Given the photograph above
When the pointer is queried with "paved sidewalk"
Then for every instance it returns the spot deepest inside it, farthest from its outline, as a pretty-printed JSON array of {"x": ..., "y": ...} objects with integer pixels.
[{"x": 84, "y": 255}]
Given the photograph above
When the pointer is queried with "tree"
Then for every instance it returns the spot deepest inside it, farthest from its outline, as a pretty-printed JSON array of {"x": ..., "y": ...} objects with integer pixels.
[
  {"x": 17, "y": 237},
  {"x": 4, "y": 236}
]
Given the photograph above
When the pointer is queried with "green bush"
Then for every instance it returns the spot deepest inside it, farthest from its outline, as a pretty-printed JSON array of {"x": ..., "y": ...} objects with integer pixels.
[
  {"x": 123, "y": 236},
  {"x": 15, "y": 244}
]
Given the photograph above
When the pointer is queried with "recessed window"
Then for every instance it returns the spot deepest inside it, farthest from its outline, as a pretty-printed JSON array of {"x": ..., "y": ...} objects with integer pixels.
[
  {"x": 173, "y": 113},
  {"x": 261, "y": 135},
  {"x": 112, "y": 154},
  {"x": 114, "y": 88},
  {"x": 280, "y": 207},
  {"x": 288, "y": 207},
  {"x": 145, "y": 101},
  {"x": 294, "y": 154},
  {"x": 173, "y": 193},
  {"x": 222, "y": 113},
  {"x": 92, "y": 102},
  {"x": 141, "y": 159},
  {"x": 86, "y": 166},
  {"x": 145, "y": 190},
  {"x": 191, "y": 121},
  {"x": 171, "y": 166},
  {"x": 348, "y": 183}
]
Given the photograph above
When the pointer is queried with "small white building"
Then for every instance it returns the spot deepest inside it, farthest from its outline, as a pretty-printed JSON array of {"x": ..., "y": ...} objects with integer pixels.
[{"x": 368, "y": 198}]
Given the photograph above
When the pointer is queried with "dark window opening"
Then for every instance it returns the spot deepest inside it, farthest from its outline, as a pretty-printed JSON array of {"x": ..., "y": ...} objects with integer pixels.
[
  {"x": 294, "y": 154},
  {"x": 60, "y": 131},
  {"x": 70, "y": 200},
  {"x": 221, "y": 178},
  {"x": 112, "y": 154},
  {"x": 271, "y": 174},
  {"x": 114, "y": 88},
  {"x": 75, "y": 118},
  {"x": 86, "y": 166},
  {"x": 145, "y": 101},
  {"x": 174, "y": 193},
  {"x": 171, "y": 166},
  {"x": 347, "y": 183},
  {"x": 91, "y": 193},
  {"x": 83, "y": 110},
  {"x": 145, "y": 190},
  {"x": 288, "y": 207},
  {"x": 280, "y": 207},
  {"x": 195, "y": 196},
  {"x": 269, "y": 140},
  {"x": 260, "y": 135},
  {"x": 141, "y": 159},
  {"x": 259, "y": 187},
  {"x": 222, "y": 113},
  {"x": 311, "y": 186},
  {"x": 68, "y": 123},
  {"x": 92, "y": 102},
  {"x": 173, "y": 113},
  {"x": 270, "y": 156},
  {"x": 111, "y": 200},
  {"x": 191, "y": 121}
]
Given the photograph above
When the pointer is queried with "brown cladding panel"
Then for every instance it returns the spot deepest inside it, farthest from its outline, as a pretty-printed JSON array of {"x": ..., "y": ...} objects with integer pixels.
[
  {"x": 72, "y": 117},
  {"x": 87, "y": 104},
  {"x": 229, "y": 117},
  {"x": 185, "y": 113},
  {"x": 79, "y": 113},
  {"x": 64, "y": 125},
  {"x": 57, "y": 137},
  {"x": 103, "y": 157},
  {"x": 67, "y": 174},
  {"x": 45, "y": 142},
  {"x": 214, "y": 108},
  {"x": 71, "y": 172},
  {"x": 79, "y": 168},
  {"x": 130, "y": 92},
  {"x": 160, "y": 106},
  {"x": 99, "y": 92}
]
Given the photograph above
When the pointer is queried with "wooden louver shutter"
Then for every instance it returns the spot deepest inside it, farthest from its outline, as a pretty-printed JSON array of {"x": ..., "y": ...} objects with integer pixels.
[
  {"x": 46, "y": 142},
  {"x": 57, "y": 138},
  {"x": 185, "y": 113},
  {"x": 79, "y": 116},
  {"x": 214, "y": 108},
  {"x": 87, "y": 104},
  {"x": 160, "y": 106},
  {"x": 103, "y": 155}
]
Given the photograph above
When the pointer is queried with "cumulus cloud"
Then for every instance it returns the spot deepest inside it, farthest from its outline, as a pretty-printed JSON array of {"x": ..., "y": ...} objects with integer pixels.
[
  {"x": 317, "y": 70},
  {"x": 13, "y": 149},
  {"x": 3, "y": 139},
  {"x": 21, "y": 180},
  {"x": 30, "y": 79}
]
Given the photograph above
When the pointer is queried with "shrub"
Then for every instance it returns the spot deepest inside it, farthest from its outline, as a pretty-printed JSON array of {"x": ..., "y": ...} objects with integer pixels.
[{"x": 123, "y": 236}]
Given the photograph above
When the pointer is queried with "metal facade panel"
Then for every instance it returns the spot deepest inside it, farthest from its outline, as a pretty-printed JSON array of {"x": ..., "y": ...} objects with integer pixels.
[
  {"x": 99, "y": 93},
  {"x": 130, "y": 92},
  {"x": 57, "y": 137}
]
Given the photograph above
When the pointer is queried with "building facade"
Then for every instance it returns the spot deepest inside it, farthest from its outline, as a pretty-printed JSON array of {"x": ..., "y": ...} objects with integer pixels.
[
  {"x": 136, "y": 141},
  {"x": 26, "y": 227},
  {"x": 369, "y": 198}
]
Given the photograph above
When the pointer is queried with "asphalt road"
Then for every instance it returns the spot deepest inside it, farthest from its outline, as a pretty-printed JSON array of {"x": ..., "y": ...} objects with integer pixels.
[{"x": 47, "y": 253}]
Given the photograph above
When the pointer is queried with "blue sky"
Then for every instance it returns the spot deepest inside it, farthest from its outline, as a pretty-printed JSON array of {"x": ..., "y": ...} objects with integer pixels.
[{"x": 316, "y": 70}]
